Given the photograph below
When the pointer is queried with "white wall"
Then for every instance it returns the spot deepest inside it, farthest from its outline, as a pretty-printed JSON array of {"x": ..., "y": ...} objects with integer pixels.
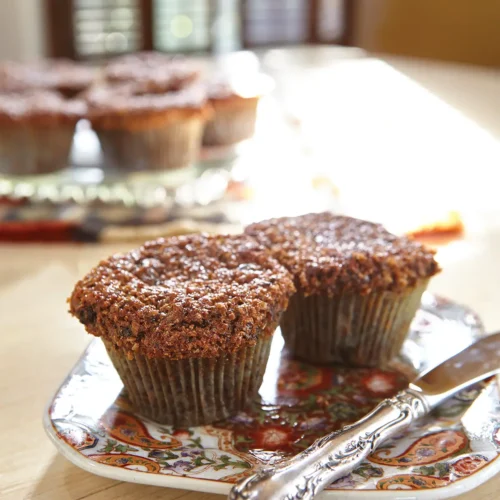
[{"x": 22, "y": 30}]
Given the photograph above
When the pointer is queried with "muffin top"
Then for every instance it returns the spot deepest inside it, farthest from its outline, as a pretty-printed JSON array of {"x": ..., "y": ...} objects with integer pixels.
[
  {"x": 136, "y": 104},
  {"x": 191, "y": 296},
  {"x": 47, "y": 74},
  {"x": 172, "y": 72},
  {"x": 333, "y": 254},
  {"x": 39, "y": 106},
  {"x": 16, "y": 76},
  {"x": 139, "y": 97}
]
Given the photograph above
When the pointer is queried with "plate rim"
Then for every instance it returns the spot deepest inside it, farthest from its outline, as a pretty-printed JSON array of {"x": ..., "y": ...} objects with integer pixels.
[{"x": 455, "y": 488}]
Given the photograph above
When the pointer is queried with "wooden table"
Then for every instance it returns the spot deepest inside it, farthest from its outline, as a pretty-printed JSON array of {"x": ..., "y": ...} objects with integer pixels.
[{"x": 41, "y": 341}]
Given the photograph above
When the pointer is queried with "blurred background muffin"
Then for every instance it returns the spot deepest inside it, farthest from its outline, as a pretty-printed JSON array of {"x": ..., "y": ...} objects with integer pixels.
[
  {"x": 144, "y": 127},
  {"x": 36, "y": 131},
  {"x": 167, "y": 71},
  {"x": 234, "y": 102},
  {"x": 61, "y": 75},
  {"x": 328, "y": 100}
]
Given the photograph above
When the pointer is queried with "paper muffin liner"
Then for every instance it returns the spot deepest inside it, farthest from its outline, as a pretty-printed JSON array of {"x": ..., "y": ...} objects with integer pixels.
[
  {"x": 356, "y": 330},
  {"x": 30, "y": 149},
  {"x": 173, "y": 146},
  {"x": 191, "y": 392},
  {"x": 231, "y": 124}
]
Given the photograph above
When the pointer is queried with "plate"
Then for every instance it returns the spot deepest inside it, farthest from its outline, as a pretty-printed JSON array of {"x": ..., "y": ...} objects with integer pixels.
[{"x": 92, "y": 424}]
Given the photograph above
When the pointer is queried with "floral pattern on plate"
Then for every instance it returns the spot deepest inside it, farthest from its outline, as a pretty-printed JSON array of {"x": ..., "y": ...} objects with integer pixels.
[{"x": 90, "y": 416}]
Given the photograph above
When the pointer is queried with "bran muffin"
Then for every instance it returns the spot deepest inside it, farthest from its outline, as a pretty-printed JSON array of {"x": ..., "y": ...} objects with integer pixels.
[
  {"x": 13, "y": 77},
  {"x": 358, "y": 286},
  {"x": 234, "y": 112},
  {"x": 68, "y": 77},
  {"x": 144, "y": 127},
  {"x": 61, "y": 75},
  {"x": 36, "y": 131},
  {"x": 153, "y": 68},
  {"x": 187, "y": 322}
]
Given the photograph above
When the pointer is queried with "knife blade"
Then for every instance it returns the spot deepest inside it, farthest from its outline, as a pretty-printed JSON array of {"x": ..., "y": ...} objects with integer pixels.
[
  {"x": 336, "y": 454},
  {"x": 482, "y": 418}
]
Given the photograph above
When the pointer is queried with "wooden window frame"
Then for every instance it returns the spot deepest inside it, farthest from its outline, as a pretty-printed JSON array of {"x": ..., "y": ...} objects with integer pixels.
[
  {"x": 60, "y": 28},
  {"x": 61, "y": 40},
  {"x": 312, "y": 35}
]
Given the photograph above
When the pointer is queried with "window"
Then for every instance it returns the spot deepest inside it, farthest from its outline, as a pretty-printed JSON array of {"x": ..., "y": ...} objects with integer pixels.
[
  {"x": 106, "y": 26},
  {"x": 85, "y": 29},
  {"x": 183, "y": 25},
  {"x": 270, "y": 22}
]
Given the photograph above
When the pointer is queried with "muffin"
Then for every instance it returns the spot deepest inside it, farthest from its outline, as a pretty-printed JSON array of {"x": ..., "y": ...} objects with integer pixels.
[
  {"x": 36, "y": 131},
  {"x": 66, "y": 76},
  {"x": 187, "y": 322},
  {"x": 12, "y": 77},
  {"x": 146, "y": 128},
  {"x": 61, "y": 75},
  {"x": 234, "y": 112},
  {"x": 358, "y": 286},
  {"x": 153, "y": 68}
]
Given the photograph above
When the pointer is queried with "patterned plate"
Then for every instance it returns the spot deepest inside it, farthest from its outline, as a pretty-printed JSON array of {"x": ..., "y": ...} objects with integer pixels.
[{"x": 91, "y": 423}]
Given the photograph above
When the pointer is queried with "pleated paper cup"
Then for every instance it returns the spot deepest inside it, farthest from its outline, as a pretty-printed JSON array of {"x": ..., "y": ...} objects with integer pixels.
[
  {"x": 30, "y": 149},
  {"x": 231, "y": 124},
  {"x": 195, "y": 391},
  {"x": 175, "y": 145},
  {"x": 356, "y": 330}
]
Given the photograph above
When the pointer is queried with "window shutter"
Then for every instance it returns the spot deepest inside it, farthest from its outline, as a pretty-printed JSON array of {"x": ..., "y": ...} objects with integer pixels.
[
  {"x": 85, "y": 29},
  {"x": 106, "y": 27},
  {"x": 275, "y": 22},
  {"x": 183, "y": 25}
]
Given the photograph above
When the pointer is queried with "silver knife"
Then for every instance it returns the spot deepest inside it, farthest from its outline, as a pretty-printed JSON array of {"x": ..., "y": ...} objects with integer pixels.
[
  {"x": 335, "y": 455},
  {"x": 481, "y": 419}
]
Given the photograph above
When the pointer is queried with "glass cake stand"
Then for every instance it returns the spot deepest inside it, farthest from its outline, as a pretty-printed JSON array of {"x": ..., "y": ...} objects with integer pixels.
[{"x": 87, "y": 180}]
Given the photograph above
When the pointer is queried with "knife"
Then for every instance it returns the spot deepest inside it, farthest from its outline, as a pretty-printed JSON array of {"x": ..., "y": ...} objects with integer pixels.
[
  {"x": 335, "y": 455},
  {"x": 481, "y": 419}
]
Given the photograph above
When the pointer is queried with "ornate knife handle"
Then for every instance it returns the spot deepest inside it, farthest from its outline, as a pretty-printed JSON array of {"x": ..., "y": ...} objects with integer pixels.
[{"x": 333, "y": 456}]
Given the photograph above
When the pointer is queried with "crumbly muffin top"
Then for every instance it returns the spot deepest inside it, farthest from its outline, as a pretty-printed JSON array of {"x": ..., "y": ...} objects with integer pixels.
[
  {"x": 194, "y": 296},
  {"x": 142, "y": 97},
  {"x": 66, "y": 73},
  {"x": 172, "y": 72},
  {"x": 15, "y": 77},
  {"x": 333, "y": 254},
  {"x": 38, "y": 104},
  {"x": 46, "y": 74}
]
